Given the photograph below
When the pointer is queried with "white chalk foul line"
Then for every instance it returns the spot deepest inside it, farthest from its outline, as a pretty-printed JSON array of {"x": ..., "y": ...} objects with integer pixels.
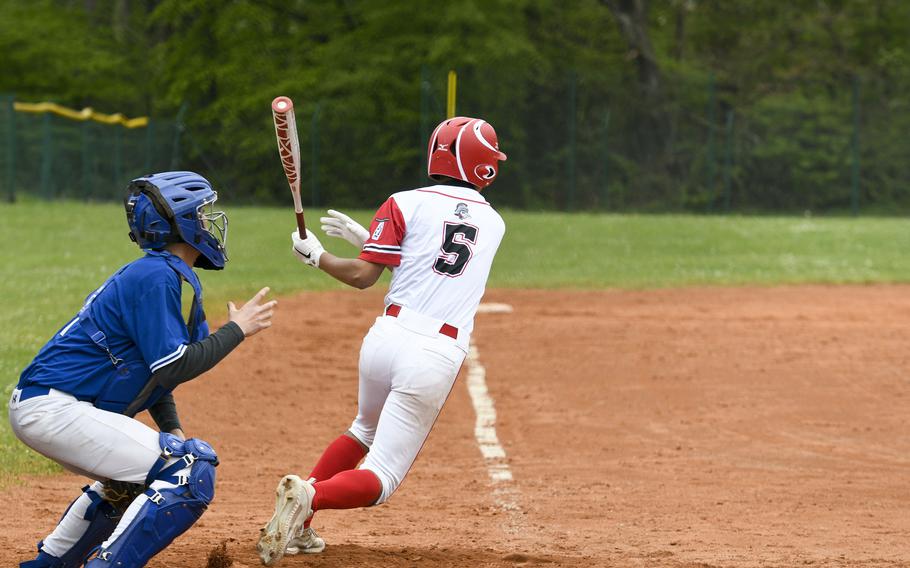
[
  {"x": 494, "y": 308},
  {"x": 504, "y": 491}
]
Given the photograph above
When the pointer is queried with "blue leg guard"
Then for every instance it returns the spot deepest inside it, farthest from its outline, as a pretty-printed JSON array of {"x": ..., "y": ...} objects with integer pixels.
[
  {"x": 102, "y": 517},
  {"x": 43, "y": 560},
  {"x": 176, "y": 499}
]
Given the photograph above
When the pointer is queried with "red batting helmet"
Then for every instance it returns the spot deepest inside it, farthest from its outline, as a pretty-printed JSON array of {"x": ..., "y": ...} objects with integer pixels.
[{"x": 464, "y": 148}]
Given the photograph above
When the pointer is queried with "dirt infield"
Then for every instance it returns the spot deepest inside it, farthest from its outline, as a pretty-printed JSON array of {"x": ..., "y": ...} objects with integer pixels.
[{"x": 697, "y": 427}]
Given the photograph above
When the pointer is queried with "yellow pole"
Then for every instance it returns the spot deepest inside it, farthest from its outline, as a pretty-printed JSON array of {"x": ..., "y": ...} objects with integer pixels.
[{"x": 450, "y": 100}]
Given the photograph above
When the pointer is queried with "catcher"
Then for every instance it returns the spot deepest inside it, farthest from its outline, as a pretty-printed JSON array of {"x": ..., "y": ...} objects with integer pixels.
[{"x": 124, "y": 352}]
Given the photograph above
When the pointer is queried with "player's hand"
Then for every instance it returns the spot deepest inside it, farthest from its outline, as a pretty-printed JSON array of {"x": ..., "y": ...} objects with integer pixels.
[
  {"x": 308, "y": 250},
  {"x": 253, "y": 316},
  {"x": 337, "y": 224}
]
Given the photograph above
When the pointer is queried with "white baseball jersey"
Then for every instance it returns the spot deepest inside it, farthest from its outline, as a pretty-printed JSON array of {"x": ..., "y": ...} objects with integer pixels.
[{"x": 441, "y": 241}]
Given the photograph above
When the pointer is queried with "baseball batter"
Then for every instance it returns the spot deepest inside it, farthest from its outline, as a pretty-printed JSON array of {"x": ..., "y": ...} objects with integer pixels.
[
  {"x": 124, "y": 352},
  {"x": 439, "y": 243}
]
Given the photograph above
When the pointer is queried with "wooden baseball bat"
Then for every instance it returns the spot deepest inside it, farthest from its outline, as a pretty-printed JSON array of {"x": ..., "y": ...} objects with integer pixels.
[{"x": 289, "y": 150}]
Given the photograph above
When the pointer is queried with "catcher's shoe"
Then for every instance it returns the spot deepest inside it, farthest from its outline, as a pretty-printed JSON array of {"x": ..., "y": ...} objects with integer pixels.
[
  {"x": 293, "y": 505},
  {"x": 306, "y": 542}
]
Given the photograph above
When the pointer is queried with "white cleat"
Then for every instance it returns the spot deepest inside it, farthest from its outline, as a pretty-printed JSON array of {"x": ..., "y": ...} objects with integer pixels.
[
  {"x": 293, "y": 505},
  {"x": 307, "y": 542}
]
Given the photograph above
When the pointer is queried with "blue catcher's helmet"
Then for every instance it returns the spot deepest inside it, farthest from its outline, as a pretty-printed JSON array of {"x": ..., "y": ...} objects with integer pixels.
[{"x": 174, "y": 207}]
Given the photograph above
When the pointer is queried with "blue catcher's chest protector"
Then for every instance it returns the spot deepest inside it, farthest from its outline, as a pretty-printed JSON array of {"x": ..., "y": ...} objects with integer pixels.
[
  {"x": 126, "y": 330},
  {"x": 196, "y": 326}
]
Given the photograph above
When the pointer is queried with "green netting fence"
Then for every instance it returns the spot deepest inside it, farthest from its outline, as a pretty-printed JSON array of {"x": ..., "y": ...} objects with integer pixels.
[
  {"x": 579, "y": 143},
  {"x": 575, "y": 142},
  {"x": 51, "y": 157}
]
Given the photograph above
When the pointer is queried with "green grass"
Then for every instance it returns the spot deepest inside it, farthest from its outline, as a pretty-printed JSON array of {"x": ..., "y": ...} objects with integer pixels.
[{"x": 54, "y": 254}]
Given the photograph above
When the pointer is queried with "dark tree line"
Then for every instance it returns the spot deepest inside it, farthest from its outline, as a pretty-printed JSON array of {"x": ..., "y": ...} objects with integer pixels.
[{"x": 616, "y": 104}]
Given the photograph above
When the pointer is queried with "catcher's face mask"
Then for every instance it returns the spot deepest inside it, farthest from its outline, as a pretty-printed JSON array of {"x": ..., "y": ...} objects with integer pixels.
[{"x": 214, "y": 222}]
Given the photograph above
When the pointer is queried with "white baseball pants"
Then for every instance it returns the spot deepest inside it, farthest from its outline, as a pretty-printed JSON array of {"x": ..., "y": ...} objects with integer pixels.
[
  {"x": 407, "y": 370},
  {"x": 88, "y": 441}
]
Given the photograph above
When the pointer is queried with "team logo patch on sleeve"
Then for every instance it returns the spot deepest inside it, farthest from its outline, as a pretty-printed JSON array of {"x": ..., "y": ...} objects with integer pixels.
[
  {"x": 378, "y": 232},
  {"x": 461, "y": 211}
]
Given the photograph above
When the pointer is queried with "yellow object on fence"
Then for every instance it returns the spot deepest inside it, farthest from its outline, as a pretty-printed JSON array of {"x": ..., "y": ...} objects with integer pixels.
[
  {"x": 84, "y": 114},
  {"x": 450, "y": 100}
]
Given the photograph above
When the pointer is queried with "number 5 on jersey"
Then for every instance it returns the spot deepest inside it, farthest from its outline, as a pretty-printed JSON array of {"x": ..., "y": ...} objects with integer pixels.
[{"x": 456, "y": 249}]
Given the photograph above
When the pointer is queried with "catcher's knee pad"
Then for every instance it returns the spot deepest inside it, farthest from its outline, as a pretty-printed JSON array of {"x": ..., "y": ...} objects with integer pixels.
[
  {"x": 102, "y": 517},
  {"x": 176, "y": 498}
]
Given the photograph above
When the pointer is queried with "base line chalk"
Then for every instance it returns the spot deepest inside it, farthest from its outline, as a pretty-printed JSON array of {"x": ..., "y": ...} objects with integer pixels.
[{"x": 505, "y": 493}]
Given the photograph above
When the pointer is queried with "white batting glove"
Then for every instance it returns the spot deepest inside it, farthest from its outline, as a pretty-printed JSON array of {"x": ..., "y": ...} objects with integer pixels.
[
  {"x": 340, "y": 225},
  {"x": 308, "y": 250}
]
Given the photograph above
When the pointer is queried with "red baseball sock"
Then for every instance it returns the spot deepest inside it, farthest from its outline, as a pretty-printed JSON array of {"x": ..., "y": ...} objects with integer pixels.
[
  {"x": 347, "y": 490},
  {"x": 341, "y": 455}
]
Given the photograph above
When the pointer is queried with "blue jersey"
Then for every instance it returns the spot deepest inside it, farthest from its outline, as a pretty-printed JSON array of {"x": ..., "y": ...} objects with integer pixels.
[{"x": 128, "y": 328}]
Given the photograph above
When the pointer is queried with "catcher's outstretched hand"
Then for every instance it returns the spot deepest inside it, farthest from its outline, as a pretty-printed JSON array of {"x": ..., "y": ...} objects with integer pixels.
[
  {"x": 337, "y": 224},
  {"x": 253, "y": 316}
]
